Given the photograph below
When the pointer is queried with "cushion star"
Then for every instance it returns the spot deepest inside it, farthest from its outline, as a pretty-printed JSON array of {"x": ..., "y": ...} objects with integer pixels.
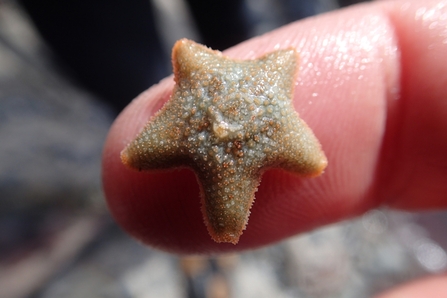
[{"x": 229, "y": 121}]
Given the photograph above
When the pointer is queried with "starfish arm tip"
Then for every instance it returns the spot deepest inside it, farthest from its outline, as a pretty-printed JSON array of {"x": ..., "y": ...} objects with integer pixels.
[
  {"x": 320, "y": 166},
  {"x": 124, "y": 156},
  {"x": 127, "y": 160},
  {"x": 225, "y": 237}
]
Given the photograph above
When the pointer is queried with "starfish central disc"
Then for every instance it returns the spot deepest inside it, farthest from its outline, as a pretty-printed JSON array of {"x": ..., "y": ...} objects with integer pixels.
[{"x": 229, "y": 121}]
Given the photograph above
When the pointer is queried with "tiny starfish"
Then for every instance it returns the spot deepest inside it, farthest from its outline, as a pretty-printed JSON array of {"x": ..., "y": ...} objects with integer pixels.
[{"x": 228, "y": 121}]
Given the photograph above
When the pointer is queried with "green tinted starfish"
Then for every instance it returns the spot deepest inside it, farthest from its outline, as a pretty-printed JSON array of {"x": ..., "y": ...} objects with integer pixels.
[{"x": 229, "y": 121}]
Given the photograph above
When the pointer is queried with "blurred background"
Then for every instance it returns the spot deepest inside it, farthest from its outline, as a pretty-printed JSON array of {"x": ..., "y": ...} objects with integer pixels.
[{"x": 66, "y": 69}]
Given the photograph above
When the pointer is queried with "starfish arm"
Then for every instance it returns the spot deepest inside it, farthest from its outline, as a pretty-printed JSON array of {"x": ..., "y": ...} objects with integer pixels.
[
  {"x": 226, "y": 205},
  {"x": 189, "y": 58},
  {"x": 158, "y": 146},
  {"x": 289, "y": 142},
  {"x": 301, "y": 152},
  {"x": 282, "y": 66}
]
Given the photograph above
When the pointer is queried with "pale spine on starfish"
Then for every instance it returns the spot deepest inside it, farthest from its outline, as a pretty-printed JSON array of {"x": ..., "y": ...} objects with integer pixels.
[{"x": 229, "y": 121}]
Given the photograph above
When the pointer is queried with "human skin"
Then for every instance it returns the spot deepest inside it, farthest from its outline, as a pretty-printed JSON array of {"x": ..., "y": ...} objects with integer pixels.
[{"x": 372, "y": 85}]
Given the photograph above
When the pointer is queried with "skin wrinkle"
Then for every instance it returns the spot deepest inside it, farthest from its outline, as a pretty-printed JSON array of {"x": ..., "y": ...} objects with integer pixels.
[
  {"x": 378, "y": 59},
  {"x": 394, "y": 124},
  {"x": 400, "y": 176},
  {"x": 388, "y": 55}
]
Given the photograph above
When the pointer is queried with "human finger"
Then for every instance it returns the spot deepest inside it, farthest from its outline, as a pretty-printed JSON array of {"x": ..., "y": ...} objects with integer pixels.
[{"x": 371, "y": 90}]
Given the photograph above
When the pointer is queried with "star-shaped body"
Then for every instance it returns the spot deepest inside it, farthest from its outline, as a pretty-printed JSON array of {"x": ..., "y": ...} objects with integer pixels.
[{"x": 229, "y": 121}]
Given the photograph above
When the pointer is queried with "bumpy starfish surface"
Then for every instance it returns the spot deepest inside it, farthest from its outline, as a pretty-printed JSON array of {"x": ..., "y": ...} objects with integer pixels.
[{"x": 229, "y": 121}]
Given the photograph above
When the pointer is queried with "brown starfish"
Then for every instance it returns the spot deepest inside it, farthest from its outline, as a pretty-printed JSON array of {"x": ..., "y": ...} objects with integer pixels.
[{"x": 229, "y": 121}]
